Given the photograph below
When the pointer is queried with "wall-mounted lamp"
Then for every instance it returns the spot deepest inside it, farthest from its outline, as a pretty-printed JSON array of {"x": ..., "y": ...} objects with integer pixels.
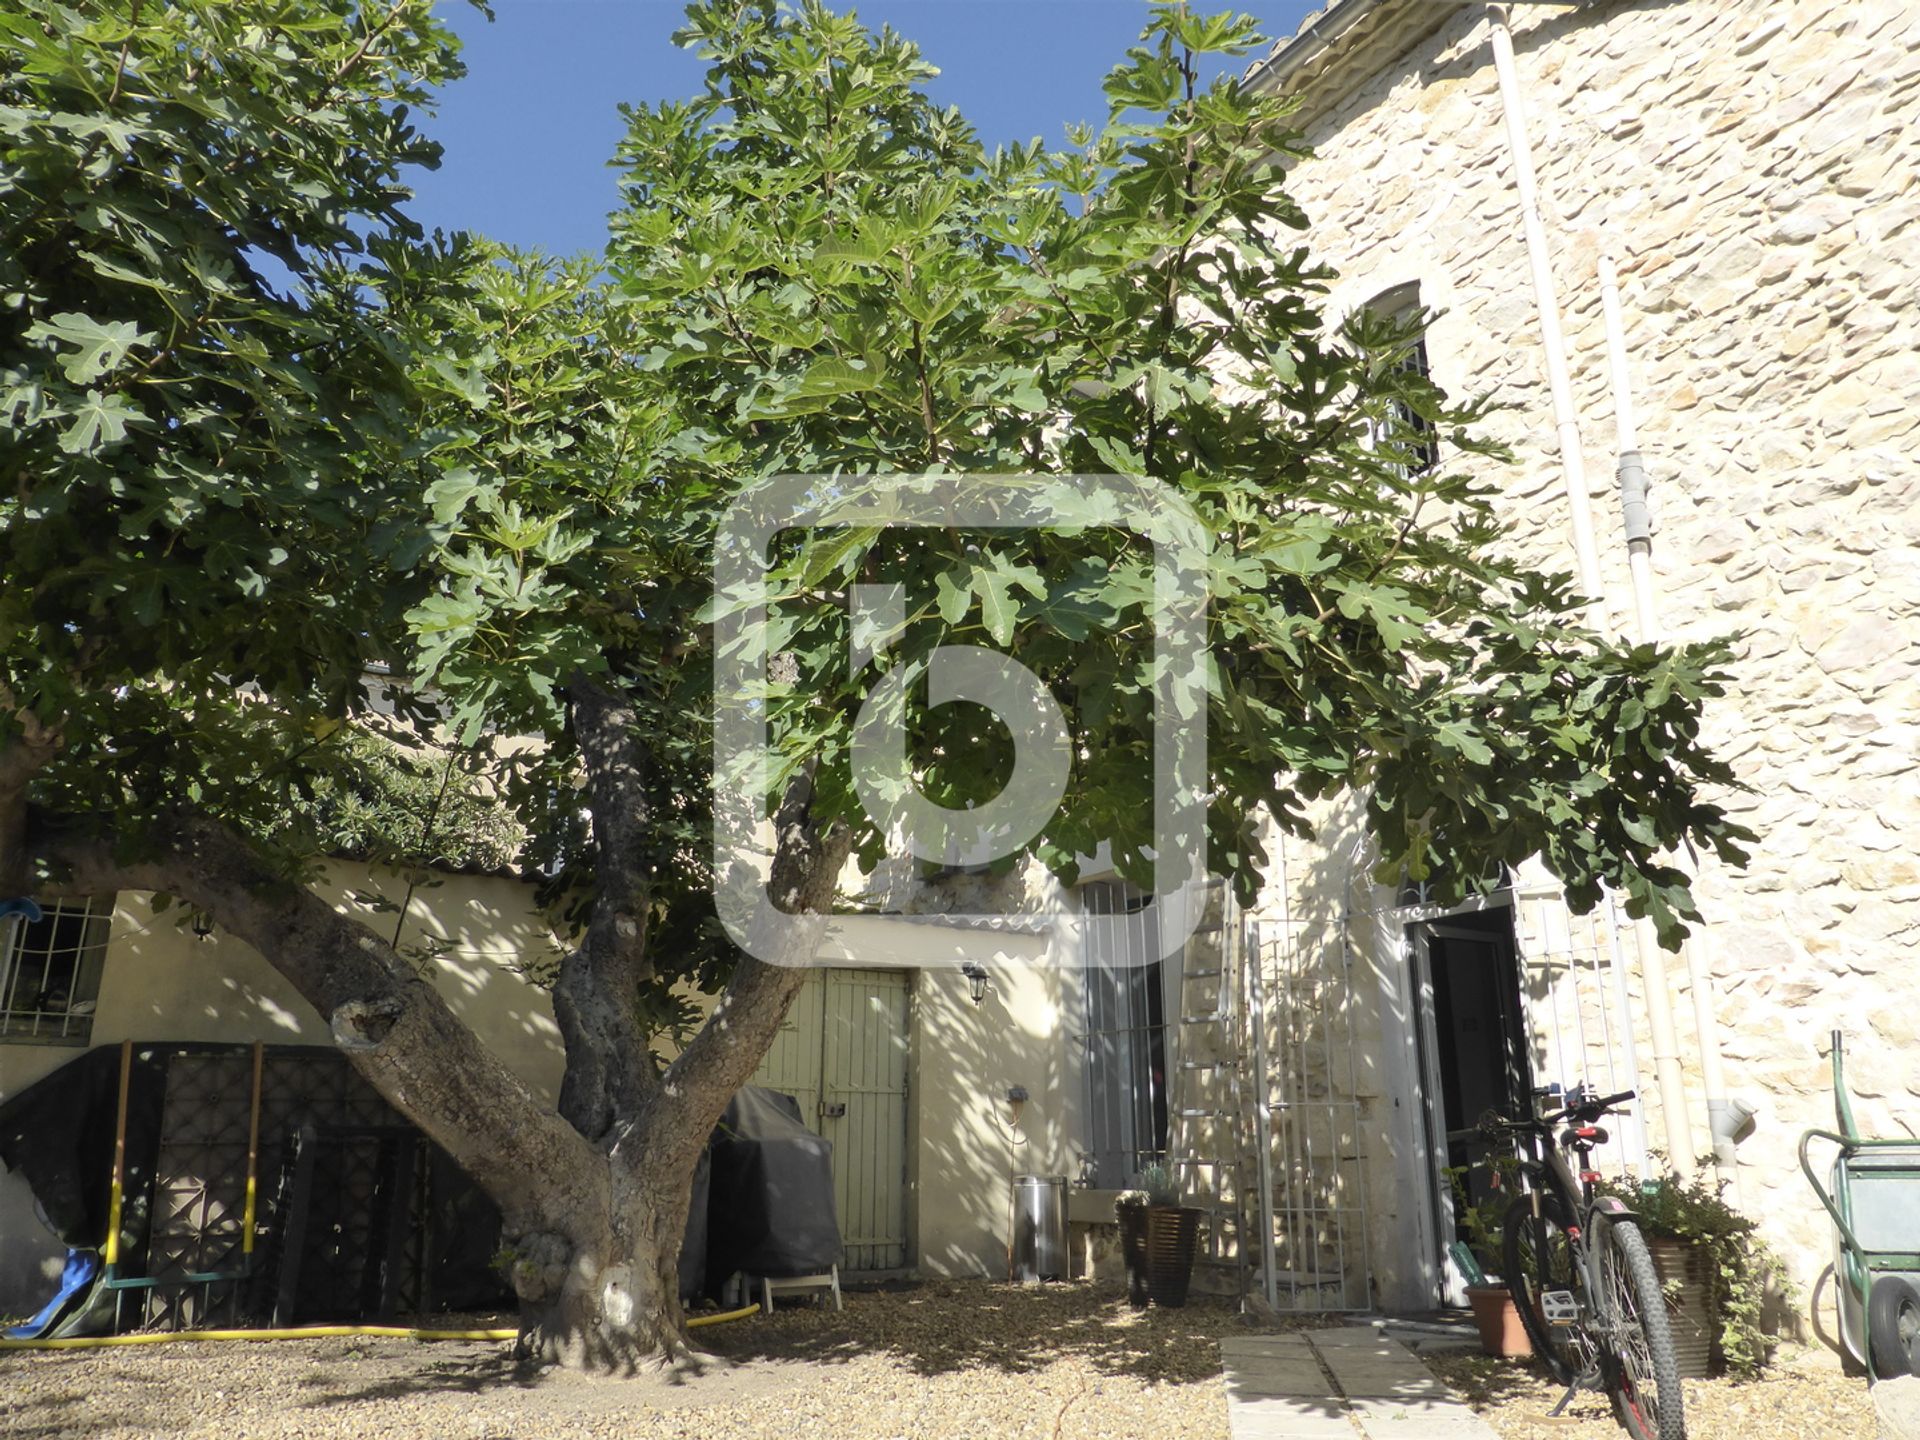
[
  {"x": 1016, "y": 1102},
  {"x": 203, "y": 924},
  {"x": 977, "y": 979}
]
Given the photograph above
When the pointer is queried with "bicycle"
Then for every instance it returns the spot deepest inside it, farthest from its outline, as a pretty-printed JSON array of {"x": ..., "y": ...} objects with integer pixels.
[{"x": 1587, "y": 1292}]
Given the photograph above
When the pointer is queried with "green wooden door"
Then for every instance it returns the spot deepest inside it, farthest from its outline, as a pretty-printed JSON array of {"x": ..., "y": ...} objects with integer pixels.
[{"x": 843, "y": 1054}]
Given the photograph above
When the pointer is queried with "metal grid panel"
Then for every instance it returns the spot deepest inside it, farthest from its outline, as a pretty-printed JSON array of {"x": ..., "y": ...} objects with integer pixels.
[
  {"x": 1314, "y": 1245},
  {"x": 199, "y": 1186},
  {"x": 363, "y": 1246},
  {"x": 360, "y": 1251},
  {"x": 1211, "y": 1128},
  {"x": 50, "y": 971}
]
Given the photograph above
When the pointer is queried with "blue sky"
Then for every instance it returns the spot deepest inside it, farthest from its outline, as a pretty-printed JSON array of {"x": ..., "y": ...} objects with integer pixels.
[{"x": 528, "y": 133}]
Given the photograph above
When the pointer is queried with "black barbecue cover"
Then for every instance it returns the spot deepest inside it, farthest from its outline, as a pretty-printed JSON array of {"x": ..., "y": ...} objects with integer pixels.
[{"x": 770, "y": 1202}]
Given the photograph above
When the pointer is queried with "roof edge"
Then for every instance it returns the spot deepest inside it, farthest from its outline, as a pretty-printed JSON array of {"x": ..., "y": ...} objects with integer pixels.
[
  {"x": 1331, "y": 45},
  {"x": 1320, "y": 34}
]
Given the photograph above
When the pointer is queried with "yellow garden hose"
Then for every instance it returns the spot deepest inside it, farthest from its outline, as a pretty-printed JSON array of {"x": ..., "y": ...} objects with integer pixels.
[
  {"x": 307, "y": 1332},
  {"x": 315, "y": 1332},
  {"x": 723, "y": 1317}
]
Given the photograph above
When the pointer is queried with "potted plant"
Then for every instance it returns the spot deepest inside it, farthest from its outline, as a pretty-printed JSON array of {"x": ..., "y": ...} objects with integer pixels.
[
  {"x": 1158, "y": 1238},
  {"x": 1714, "y": 1269},
  {"x": 1494, "y": 1314}
]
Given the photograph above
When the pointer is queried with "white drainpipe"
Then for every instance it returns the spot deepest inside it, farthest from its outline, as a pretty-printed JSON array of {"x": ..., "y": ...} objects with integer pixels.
[
  {"x": 1666, "y": 1049},
  {"x": 1635, "y": 520},
  {"x": 1725, "y": 1116},
  {"x": 1572, "y": 468}
]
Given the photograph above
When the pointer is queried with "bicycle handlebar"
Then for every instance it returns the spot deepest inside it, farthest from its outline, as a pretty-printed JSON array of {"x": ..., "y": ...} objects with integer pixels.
[
  {"x": 1600, "y": 1106},
  {"x": 1492, "y": 1126}
]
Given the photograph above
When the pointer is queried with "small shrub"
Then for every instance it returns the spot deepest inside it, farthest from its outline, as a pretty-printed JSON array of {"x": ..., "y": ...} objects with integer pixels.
[{"x": 1746, "y": 1270}]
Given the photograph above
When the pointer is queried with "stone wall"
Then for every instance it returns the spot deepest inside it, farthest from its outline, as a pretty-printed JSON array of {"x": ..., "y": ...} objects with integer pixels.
[{"x": 1751, "y": 168}]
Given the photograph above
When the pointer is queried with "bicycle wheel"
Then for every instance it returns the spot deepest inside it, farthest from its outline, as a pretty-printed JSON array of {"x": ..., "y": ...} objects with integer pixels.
[
  {"x": 1637, "y": 1363},
  {"x": 1538, "y": 1255}
]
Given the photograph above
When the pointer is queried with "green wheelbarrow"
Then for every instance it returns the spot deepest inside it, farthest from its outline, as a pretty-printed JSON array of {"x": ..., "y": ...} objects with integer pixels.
[{"x": 1872, "y": 1191}]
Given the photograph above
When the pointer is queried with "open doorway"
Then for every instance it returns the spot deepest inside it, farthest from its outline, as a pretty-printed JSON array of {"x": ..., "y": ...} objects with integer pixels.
[{"x": 1473, "y": 1054}]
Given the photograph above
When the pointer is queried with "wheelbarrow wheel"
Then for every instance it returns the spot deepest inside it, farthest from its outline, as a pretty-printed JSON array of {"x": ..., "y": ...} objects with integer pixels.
[{"x": 1893, "y": 1326}]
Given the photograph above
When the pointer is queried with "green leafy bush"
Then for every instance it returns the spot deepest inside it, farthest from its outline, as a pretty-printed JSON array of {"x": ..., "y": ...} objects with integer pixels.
[{"x": 1746, "y": 1272}]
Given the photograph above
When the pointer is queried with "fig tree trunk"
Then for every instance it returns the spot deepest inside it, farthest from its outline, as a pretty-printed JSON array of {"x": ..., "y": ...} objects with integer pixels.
[{"x": 607, "y": 1297}]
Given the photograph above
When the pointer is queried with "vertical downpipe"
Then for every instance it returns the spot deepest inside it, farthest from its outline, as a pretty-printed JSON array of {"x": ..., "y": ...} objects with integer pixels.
[
  {"x": 1722, "y": 1119},
  {"x": 1666, "y": 1052},
  {"x": 1572, "y": 467},
  {"x": 1635, "y": 519}
]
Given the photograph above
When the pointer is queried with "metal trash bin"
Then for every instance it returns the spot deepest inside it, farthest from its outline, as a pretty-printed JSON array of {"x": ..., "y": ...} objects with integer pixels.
[{"x": 1039, "y": 1227}]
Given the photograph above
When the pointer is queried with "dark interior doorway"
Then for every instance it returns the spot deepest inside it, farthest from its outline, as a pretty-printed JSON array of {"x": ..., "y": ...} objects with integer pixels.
[{"x": 1474, "y": 1039}]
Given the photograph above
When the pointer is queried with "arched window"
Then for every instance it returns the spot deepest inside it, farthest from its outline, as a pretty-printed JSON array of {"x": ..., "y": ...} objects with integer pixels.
[{"x": 1399, "y": 305}]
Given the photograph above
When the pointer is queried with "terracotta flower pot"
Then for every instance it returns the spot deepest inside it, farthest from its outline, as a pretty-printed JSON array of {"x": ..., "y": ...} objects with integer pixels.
[{"x": 1498, "y": 1319}]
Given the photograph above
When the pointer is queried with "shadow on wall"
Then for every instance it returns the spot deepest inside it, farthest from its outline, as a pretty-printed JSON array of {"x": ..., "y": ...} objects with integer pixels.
[
  {"x": 1331, "y": 954},
  {"x": 478, "y": 937},
  {"x": 965, "y": 1140},
  {"x": 490, "y": 949}
]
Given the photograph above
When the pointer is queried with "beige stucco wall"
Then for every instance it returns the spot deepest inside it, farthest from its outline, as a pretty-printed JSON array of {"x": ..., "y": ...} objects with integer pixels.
[
  {"x": 962, "y": 1060},
  {"x": 963, "y": 1146},
  {"x": 161, "y": 982},
  {"x": 1752, "y": 167}
]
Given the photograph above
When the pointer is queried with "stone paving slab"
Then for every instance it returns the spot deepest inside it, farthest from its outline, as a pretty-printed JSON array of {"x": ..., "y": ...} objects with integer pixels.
[
  {"x": 1302, "y": 1378},
  {"x": 1465, "y": 1426},
  {"x": 1336, "y": 1384},
  {"x": 1267, "y": 1345},
  {"x": 1442, "y": 1406},
  {"x": 1407, "y": 1389},
  {"x": 1350, "y": 1337},
  {"x": 1279, "y": 1420},
  {"x": 1344, "y": 1362},
  {"x": 1359, "y": 1359}
]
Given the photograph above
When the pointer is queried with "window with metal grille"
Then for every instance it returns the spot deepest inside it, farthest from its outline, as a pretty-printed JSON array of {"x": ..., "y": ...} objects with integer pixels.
[
  {"x": 50, "y": 971},
  {"x": 1126, "y": 1047},
  {"x": 1407, "y": 428}
]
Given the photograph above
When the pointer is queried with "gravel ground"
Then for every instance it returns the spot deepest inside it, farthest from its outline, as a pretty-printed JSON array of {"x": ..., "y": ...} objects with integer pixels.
[
  {"x": 1804, "y": 1397},
  {"x": 966, "y": 1360},
  {"x": 947, "y": 1359}
]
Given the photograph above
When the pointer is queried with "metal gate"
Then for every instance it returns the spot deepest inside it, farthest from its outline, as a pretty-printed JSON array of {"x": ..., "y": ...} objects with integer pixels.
[
  {"x": 843, "y": 1054},
  {"x": 1312, "y": 1225}
]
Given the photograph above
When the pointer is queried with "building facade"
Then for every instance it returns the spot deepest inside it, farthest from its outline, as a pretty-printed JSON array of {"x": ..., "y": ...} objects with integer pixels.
[
  {"x": 1745, "y": 174},
  {"x": 886, "y": 1050}
]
